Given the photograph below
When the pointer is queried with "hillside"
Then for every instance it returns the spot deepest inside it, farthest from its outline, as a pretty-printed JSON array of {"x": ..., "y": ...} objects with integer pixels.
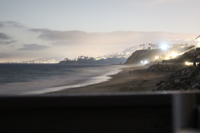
[
  {"x": 149, "y": 55},
  {"x": 140, "y": 55}
]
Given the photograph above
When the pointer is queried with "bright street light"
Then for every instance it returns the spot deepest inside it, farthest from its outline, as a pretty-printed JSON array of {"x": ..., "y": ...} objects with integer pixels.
[
  {"x": 144, "y": 62},
  {"x": 164, "y": 47}
]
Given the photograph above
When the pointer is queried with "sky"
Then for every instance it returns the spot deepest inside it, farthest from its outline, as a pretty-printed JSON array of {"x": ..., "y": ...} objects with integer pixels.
[{"x": 70, "y": 28}]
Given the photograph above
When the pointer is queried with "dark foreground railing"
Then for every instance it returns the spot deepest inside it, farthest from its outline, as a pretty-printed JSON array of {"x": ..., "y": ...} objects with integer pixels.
[{"x": 101, "y": 113}]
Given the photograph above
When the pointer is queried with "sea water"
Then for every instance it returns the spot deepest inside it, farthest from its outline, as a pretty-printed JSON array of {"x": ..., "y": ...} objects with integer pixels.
[{"x": 23, "y": 79}]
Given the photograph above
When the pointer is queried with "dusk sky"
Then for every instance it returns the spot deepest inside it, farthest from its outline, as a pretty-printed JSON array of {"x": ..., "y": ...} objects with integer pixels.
[{"x": 69, "y": 28}]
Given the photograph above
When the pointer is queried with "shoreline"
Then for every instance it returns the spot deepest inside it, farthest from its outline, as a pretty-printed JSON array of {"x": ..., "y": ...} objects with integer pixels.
[
  {"x": 139, "y": 80},
  {"x": 95, "y": 79}
]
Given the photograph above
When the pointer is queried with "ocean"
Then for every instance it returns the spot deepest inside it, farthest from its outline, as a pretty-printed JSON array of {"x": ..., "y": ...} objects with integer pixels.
[{"x": 30, "y": 79}]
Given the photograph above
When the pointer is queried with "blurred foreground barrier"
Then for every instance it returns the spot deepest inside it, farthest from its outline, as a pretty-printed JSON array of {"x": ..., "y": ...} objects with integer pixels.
[{"x": 122, "y": 112}]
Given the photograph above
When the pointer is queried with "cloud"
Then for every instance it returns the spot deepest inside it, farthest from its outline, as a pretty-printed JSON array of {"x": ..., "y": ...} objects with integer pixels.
[
  {"x": 6, "y": 55},
  {"x": 3, "y": 36},
  {"x": 5, "y": 39},
  {"x": 105, "y": 39},
  {"x": 60, "y": 35},
  {"x": 2, "y": 55},
  {"x": 82, "y": 37},
  {"x": 11, "y": 24},
  {"x": 33, "y": 47},
  {"x": 5, "y": 42},
  {"x": 153, "y": 2},
  {"x": 1, "y": 25}
]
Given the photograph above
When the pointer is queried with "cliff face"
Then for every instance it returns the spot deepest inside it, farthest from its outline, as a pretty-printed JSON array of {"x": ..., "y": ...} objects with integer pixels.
[{"x": 140, "y": 55}]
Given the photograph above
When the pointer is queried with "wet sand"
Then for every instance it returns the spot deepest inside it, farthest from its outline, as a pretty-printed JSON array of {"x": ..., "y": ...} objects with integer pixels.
[{"x": 138, "y": 80}]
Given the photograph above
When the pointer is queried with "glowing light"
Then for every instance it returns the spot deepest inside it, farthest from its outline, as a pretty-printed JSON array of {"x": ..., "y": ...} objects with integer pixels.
[
  {"x": 173, "y": 54},
  {"x": 164, "y": 46},
  {"x": 144, "y": 62},
  {"x": 156, "y": 57},
  {"x": 198, "y": 44},
  {"x": 188, "y": 63}
]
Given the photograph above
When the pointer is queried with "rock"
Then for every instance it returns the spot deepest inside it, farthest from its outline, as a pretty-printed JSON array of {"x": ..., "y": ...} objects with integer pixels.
[
  {"x": 198, "y": 78},
  {"x": 159, "y": 88},
  {"x": 194, "y": 86},
  {"x": 187, "y": 70},
  {"x": 158, "y": 84},
  {"x": 188, "y": 82},
  {"x": 177, "y": 81},
  {"x": 181, "y": 78}
]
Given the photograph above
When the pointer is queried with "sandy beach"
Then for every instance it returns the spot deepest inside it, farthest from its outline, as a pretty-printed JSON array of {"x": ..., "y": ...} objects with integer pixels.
[{"x": 138, "y": 80}]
